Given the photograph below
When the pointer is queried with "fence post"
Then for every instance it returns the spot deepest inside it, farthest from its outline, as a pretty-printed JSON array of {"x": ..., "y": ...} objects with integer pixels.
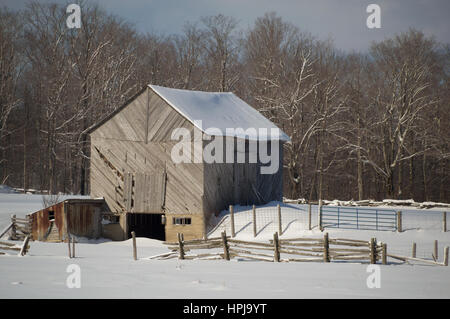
[
  {"x": 68, "y": 244},
  {"x": 373, "y": 251},
  {"x": 326, "y": 249},
  {"x": 384, "y": 254},
  {"x": 399, "y": 221},
  {"x": 446, "y": 256},
  {"x": 413, "y": 254},
  {"x": 280, "y": 231},
  {"x": 338, "y": 215},
  {"x": 180, "y": 246},
  {"x": 376, "y": 219},
  {"x": 226, "y": 251},
  {"x": 435, "y": 253},
  {"x": 29, "y": 226},
  {"x": 133, "y": 235},
  {"x": 276, "y": 248},
  {"x": 357, "y": 219},
  {"x": 233, "y": 233},
  {"x": 24, "y": 249},
  {"x": 73, "y": 247},
  {"x": 309, "y": 216},
  {"x": 254, "y": 220},
  {"x": 444, "y": 222},
  {"x": 13, "y": 228}
]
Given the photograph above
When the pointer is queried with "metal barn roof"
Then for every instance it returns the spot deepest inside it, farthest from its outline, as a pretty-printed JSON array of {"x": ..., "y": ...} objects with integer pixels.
[{"x": 219, "y": 110}]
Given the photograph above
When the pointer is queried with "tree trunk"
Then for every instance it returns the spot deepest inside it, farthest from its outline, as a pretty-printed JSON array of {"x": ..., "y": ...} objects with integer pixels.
[
  {"x": 442, "y": 188},
  {"x": 25, "y": 184},
  {"x": 400, "y": 181},
  {"x": 389, "y": 182},
  {"x": 360, "y": 172},
  {"x": 424, "y": 172},
  {"x": 411, "y": 177}
]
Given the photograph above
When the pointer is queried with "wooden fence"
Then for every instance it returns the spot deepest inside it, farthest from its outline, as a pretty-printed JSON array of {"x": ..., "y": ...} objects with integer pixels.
[
  {"x": 22, "y": 249},
  {"x": 288, "y": 250},
  {"x": 19, "y": 228},
  {"x": 279, "y": 250}
]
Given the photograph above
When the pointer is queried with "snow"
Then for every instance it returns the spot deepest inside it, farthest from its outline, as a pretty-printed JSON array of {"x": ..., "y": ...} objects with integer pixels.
[
  {"x": 219, "y": 110},
  {"x": 109, "y": 271}
]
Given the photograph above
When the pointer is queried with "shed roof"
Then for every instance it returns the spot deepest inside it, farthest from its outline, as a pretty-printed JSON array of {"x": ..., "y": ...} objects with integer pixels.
[{"x": 219, "y": 110}]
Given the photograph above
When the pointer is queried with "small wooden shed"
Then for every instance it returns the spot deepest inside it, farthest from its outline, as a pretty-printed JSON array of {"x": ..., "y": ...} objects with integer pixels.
[
  {"x": 132, "y": 166},
  {"x": 74, "y": 217}
]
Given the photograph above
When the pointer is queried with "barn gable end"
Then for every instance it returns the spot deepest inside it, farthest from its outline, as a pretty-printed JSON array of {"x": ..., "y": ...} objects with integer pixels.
[{"x": 124, "y": 156}]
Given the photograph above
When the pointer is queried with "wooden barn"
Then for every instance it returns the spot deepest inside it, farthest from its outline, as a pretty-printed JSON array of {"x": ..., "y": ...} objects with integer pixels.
[{"x": 133, "y": 168}]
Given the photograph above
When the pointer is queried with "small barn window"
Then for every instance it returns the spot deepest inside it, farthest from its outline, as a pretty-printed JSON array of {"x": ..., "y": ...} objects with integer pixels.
[
  {"x": 181, "y": 221},
  {"x": 51, "y": 215},
  {"x": 110, "y": 219}
]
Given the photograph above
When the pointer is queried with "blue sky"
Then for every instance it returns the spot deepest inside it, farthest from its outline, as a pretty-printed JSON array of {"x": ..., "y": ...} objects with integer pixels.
[{"x": 342, "y": 20}]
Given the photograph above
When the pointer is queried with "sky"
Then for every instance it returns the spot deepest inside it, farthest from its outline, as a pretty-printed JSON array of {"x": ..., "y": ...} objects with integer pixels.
[{"x": 343, "y": 21}]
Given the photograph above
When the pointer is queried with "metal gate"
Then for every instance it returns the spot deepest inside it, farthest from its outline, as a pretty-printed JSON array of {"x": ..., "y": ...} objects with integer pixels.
[{"x": 358, "y": 218}]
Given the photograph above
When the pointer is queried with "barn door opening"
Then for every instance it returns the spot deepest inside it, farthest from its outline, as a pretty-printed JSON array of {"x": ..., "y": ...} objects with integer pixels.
[{"x": 146, "y": 225}]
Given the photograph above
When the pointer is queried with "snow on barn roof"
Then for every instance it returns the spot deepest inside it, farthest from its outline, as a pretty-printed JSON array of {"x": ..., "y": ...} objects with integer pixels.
[{"x": 220, "y": 110}]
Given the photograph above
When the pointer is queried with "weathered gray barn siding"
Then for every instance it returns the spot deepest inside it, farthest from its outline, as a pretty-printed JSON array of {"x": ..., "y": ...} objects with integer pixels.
[
  {"x": 120, "y": 147},
  {"x": 184, "y": 181},
  {"x": 239, "y": 183}
]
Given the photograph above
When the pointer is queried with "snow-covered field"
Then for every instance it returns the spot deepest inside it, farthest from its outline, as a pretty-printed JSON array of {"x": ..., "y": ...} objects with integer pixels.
[{"x": 109, "y": 271}]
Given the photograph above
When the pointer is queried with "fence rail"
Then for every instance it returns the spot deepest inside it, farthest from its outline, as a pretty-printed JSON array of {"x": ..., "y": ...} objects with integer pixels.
[
  {"x": 22, "y": 249},
  {"x": 20, "y": 228},
  {"x": 289, "y": 250},
  {"x": 285, "y": 250}
]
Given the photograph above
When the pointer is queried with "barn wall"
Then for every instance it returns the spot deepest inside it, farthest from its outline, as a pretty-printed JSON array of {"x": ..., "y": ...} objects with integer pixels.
[
  {"x": 84, "y": 220},
  {"x": 129, "y": 124},
  {"x": 184, "y": 181},
  {"x": 194, "y": 231},
  {"x": 239, "y": 183},
  {"x": 41, "y": 222}
]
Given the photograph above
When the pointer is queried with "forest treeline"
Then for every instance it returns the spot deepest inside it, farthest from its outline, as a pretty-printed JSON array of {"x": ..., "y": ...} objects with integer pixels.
[{"x": 363, "y": 125}]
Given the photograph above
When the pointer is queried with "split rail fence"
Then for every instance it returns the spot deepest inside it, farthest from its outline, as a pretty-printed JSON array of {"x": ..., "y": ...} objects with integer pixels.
[
  {"x": 281, "y": 250},
  {"x": 19, "y": 228},
  {"x": 22, "y": 249},
  {"x": 285, "y": 250}
]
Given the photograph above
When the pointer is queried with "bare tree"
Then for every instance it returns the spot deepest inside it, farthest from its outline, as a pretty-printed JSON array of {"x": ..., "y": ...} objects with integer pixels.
[
  {"x": 189, "y": 48},
  {"x": 11, "y": 61},
  {"x": 221, "y": 48},
  {"x": 402, "y": 97}
]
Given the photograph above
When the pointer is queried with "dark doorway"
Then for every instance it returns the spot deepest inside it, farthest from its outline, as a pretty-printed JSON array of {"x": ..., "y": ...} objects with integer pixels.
[{"x": 146, "y": 225}]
